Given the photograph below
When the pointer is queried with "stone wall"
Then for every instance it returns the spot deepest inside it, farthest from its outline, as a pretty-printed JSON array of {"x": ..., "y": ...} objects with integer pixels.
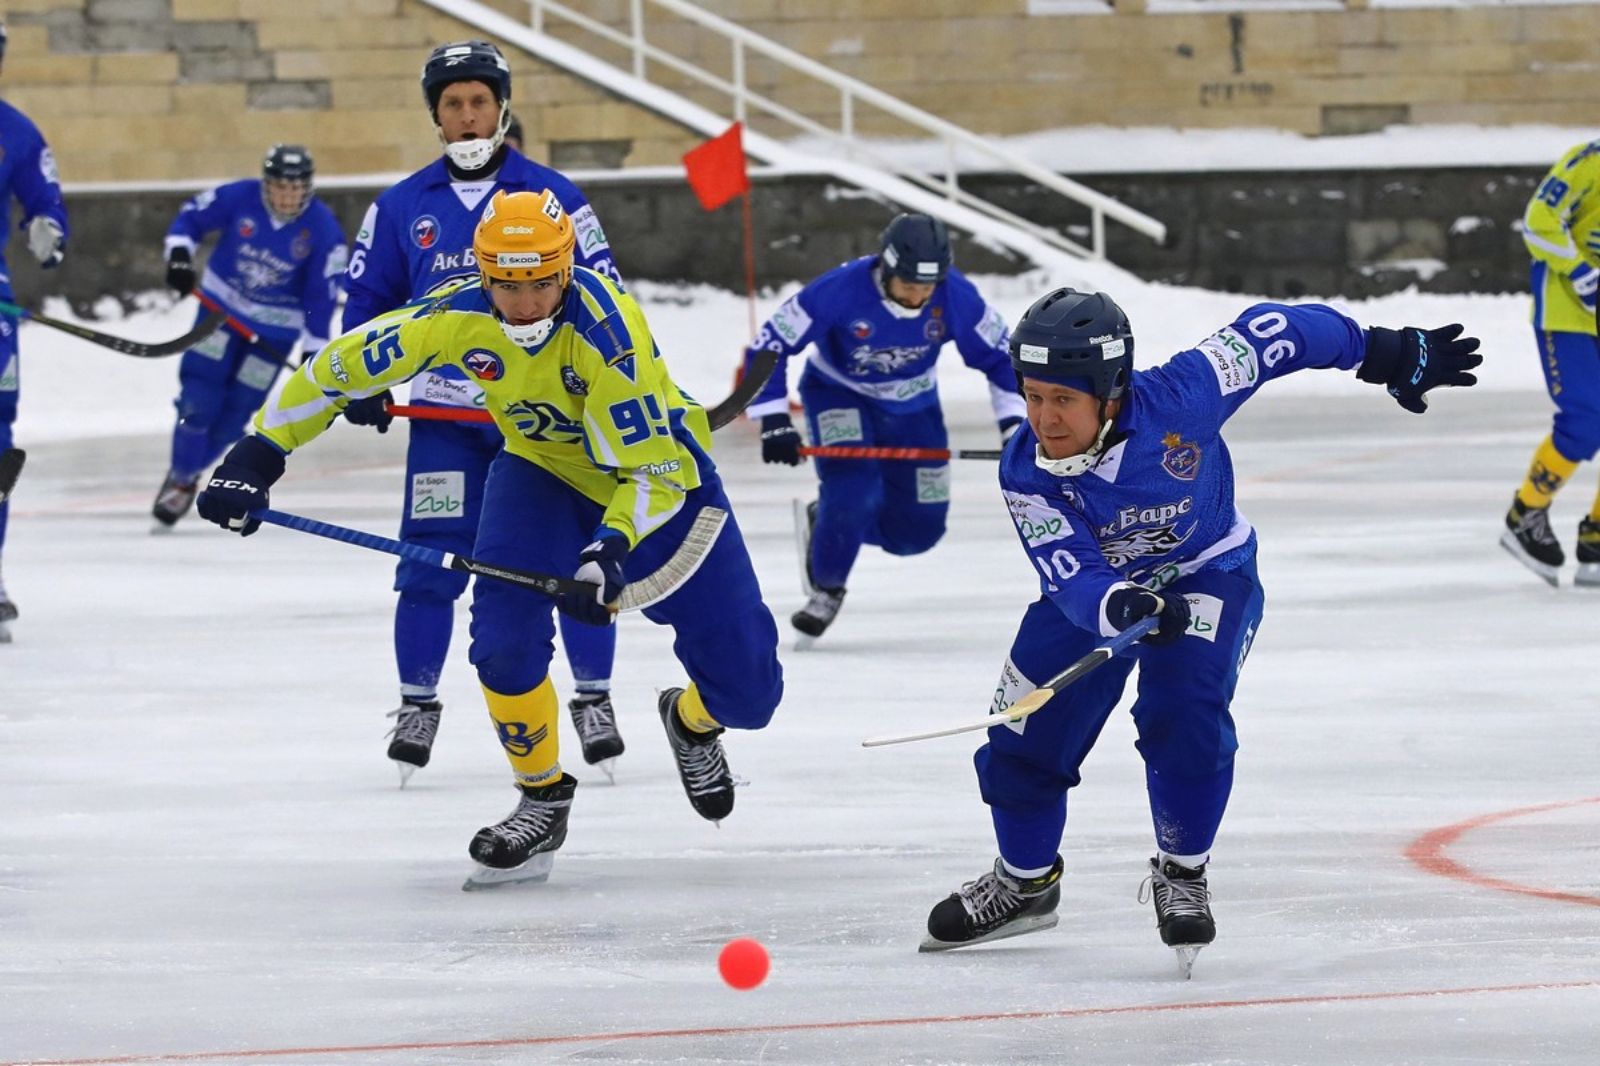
[
  {"x": 183, "y": 89},
  {"x": 1353, "y": 233}
]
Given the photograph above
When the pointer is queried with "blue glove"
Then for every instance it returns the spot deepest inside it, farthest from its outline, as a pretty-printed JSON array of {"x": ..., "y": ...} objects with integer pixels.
[
  {"x": 239, "y": 485},
  {"x": 1128, "y": 604},
  {"x": 1009, "y": 426},
  {"x": 1585, "y": 283},
  {"x": 600, "y": 566},
  {"x": 780, "y": 441},
  {"x": 370, "y": 412},
  {"x": 1411, "y": 361}
]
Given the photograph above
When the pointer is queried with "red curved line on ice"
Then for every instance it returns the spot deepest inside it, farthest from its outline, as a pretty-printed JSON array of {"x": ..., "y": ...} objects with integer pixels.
[{"x": 1428, "y": 852}]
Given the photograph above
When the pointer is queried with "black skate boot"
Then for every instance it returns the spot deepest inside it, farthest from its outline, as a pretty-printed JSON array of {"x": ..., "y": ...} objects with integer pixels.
[
  {"x": 702, "y": 766},
  {"x": 411, "y": 739},
  {"x": 819, "y": 612},
  {"x": 1588, "y": 554},
  {"x": 8, "y": 614},
  {"x": 596, "y": 722},
  {"x": 174, "y": 499},
  {"x": 522, "y": 847},
  {"x": 994, "y": 907},
  {"x": 1183, "y": 909},
  {"x": 1530, "y": 542}
]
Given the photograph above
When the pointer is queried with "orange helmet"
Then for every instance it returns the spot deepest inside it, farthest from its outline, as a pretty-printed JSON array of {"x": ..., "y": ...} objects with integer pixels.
[{"x": 524, "y": 236}]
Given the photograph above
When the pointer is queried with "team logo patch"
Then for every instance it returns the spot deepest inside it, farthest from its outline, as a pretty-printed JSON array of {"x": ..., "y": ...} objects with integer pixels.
[
  {"x": 1182, "y": 457},
  {"x": 247, "y": 227},
  {"x": 483, "y": 364},
  {"x": 861, "y": 329},
  {"x": 425, "y": 232},
  {"x": 301, "y": 247},
  {"x": 574, "y": 385},
  {"x": 934, "y": 329}
]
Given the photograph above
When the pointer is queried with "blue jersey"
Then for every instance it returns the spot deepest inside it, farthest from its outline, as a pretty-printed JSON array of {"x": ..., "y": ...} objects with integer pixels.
[
  {"x": 281, "y": 278},
  {"x": 418, "y": 234},
  {"x": 885, "y": 356},
  {"x": 1159, "y": 504},
  {"x": 28, "y": 172}
]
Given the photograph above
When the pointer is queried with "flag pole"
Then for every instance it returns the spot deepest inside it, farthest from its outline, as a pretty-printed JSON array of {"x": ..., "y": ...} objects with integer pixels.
[{"x": 750, "y": 259}]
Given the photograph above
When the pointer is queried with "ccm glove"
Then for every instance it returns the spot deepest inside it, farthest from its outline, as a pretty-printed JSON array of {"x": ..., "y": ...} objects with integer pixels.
[
  {"x": 180, "y": 271},
  {"x": 370, "y": 412},
  {"x": 600, "y": 567},
  {"x": 239, "y": 485},
  {"x": 1128, "y": 604},
  {"x": 1009, "y": 427},
  {"x": 1585, "y": 283},
  {"x": 46, "y": 241},
  {"x": 1411, "y": 361},
  {"x": 780, "y": 441}
]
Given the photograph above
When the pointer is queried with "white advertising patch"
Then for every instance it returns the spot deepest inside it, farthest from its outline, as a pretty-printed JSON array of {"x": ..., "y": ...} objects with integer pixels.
[
  {"x": 591, "y": 238},
  {"x": 933, "y": 484},
  {"x": 1011, "y": 687},
  {"x": 1033, "y": 353},
  {"x": 1232, "y": 360},
  {"x": 791, "y": 321},
  {"x": 839, "y": 426},
  {"x": 1113, "y": 349},
  {"x": 1036, "y": 520},
  {"x": 8, "y": 376},
  {"x": 454, "y": 391},
  {"x": 442, "y": 494},
  {"x": 256, "y": 373},
  {"x": 1205, "y": 615}
]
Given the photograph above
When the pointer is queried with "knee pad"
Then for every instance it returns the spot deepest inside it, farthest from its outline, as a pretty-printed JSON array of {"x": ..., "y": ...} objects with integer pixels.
[
  {"x": 1577, "y": 433},
  {"x": 1007, "y": 780}
]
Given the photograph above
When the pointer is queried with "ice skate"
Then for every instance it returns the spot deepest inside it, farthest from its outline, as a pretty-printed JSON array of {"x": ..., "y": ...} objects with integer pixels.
[
  {"x": 702, "y": 765},
  {"x": 596, "y": 722},
  {"x": 994, "y": 907},
  {"x": 173, "y": 501},
  {"x": 411, "y": 739},
  {"x": 1588, "y": 554},
  {"x": 805, "y": 521},
  {"x": 521, "y": 849},
  {"x": 1183, "y": 909},
  {"x": 8, "y": 614},
  {"x": 816, "y": 616},
  {"x": 1529, "y": 540}
]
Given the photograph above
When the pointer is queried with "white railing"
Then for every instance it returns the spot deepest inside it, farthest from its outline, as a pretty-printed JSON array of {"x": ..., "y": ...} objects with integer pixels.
[{"x": 853, "y": 93}]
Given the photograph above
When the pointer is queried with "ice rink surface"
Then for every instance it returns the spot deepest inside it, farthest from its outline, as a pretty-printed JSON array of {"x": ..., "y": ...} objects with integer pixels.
[{"x": 204, "y": 856}]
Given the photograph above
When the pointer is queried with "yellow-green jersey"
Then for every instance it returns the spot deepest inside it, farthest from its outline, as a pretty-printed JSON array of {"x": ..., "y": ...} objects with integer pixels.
[
  {"x": 593, "y": 404},
  {"x": 1562, "y": 231}
]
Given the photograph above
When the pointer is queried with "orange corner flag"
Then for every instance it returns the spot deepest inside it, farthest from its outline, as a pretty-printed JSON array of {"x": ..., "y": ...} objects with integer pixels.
[{"x": 716, "y": 169}]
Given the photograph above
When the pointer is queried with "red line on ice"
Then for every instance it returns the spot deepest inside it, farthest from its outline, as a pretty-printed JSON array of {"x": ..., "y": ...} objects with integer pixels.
[
  {"x": 1428, "y": 852},
  {"x": 804, "y": 1027}
]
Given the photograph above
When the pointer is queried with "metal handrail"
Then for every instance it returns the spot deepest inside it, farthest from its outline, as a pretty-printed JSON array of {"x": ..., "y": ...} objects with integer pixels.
[{"x": 853, "y": 92}]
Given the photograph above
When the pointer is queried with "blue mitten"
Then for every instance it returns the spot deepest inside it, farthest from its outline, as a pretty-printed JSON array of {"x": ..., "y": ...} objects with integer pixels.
[
  {"x": 371, "y": 411},
  {"x": 780, "y": 441},
  {"x": 600, "y": 566},
  {"x": 1130, "y": 603},
  {"x": 239, "y": 485},
  {"x": 1412, "y": 361}
]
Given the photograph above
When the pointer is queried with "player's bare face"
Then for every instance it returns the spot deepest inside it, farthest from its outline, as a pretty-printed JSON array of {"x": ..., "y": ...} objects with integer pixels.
[
  {"x": 908, "y": 293},
  {"x": 467, "y": 111},
  {"x": 522, "y": 303},
  {"x": 1065, "y": 420}
]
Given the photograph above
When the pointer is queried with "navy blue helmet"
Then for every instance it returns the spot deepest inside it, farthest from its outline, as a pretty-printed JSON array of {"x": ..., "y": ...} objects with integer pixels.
[
  {"x": 288, "y": 162},
  {"x": 1078, "y": 339},
  {"x": 916, "y": 248},
  {"x": 465, "y": 61}
]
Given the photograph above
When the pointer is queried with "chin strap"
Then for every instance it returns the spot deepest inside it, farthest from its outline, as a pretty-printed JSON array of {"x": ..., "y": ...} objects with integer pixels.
[
  {"x": 476, "y": 154},
  {"x": 1084, "y": 461},
  {"x": 893, "y": 306}
]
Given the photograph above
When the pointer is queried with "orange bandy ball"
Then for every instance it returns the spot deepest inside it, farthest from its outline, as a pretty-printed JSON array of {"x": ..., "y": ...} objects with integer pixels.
[{"x": 743, "y": 963}]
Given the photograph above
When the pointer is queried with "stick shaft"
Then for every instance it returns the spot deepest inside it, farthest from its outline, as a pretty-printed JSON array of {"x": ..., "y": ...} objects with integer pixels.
[{"x": 852, "y": 451}]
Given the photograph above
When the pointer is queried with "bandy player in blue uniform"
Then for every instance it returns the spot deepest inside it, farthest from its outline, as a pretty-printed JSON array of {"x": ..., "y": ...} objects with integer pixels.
[
  {"x": 28, "y": 172},
  {"x": 277, "y": 267},
  {"x": 878, "y": 324},
  {"x": 1121, "y": 489},
  {"x": 415, "y": 237}
]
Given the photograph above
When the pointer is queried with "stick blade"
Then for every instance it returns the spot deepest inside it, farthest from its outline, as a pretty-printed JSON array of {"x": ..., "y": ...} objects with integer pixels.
[{"x": 697, "y": 544}]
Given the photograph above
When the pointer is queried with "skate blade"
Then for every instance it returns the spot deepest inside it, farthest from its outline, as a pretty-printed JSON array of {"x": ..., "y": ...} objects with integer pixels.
[
  {"x": 1034, "y": 924},
  {"x": 406, "y": 770},
  {"x": 159, "y": 528},
  {"x": 802, "y": 541},
  {"x": 1186, "y": 956},
  {"x": 536, "y": 871},
  {"x": 1551, "y": 574},
  {"x": 5, "y": 633},
  {"x": 1588, "y": 576},
  {"x": 804, "y": 642},
  {"x": 605, "y": 766}
]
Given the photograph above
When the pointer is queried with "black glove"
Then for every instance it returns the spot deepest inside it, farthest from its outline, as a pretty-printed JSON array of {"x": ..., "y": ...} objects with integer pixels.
[
  {"x": 600, "y": 568},
  {"x": 370, "y": 412},
  {"x": 1128, "y": 604},
  {"x": 1009, "y": 426},
  {"x": 239, "y": 485},
  {"x": 180, "y": 271},
  {"x": 1411, "y": 361},
  {"x": 780, "y": 441}
]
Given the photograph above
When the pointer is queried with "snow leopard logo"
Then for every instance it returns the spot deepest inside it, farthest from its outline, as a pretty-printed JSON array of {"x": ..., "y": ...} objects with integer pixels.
[
  {"x": 257, "y": 275},
  {"x": 1124, "y": 548},
  {"x": 864, "y": 361}
]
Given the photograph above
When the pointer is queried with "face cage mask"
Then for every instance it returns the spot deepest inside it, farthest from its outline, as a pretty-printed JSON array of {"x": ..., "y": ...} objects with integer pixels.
[
  {"x": 534, "y": 333},
  {"x": 1073, "y": 465},
  {"x": 300, "y": 209},
  {"x": 475, "y": 154},
  {"x": 893, "y": 306}
]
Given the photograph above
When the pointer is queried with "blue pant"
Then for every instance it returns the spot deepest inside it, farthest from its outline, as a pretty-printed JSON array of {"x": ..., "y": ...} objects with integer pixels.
[
  {"x": 1571, "y": 364},
  {"x": 1186, "y": 732},
  {"x": 447, "y": 465},
  {"x": 896, "y": 505},
  {"x": 724, "y": 635},
  {"x": 10, "y": 391},
  {"x": 222, "y": 381}
]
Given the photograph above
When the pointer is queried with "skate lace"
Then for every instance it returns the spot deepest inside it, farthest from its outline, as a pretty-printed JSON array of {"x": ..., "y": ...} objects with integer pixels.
[
  {"x": 987, "y": 898},
  {"x": 527, "y": 824},
  {"x": 413, "y": 724},
  {"x": 705, "y": 768},
  {"x": 1173, "y": 897},
  {"x": 1535, "y": 523},
  {"x": 824, "y": 604},
  {"x": 594, "y": 718}
]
